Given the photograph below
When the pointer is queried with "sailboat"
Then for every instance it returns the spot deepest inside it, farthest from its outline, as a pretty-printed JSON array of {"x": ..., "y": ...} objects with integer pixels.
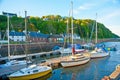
[
  {"x": 99, "y": 52},
  {"x": 90, "y": 44},
  {"x": 30, "y": 72},
  {"x": 67, "y": 37},
  {"x": 67, "y": 50},
  {"x": 10, "y": 62},
  {"x": 74, "y": 59}
]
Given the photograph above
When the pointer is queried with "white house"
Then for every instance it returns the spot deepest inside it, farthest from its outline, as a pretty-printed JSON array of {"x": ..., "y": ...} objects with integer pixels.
[
  {"x": 75, "y": 36},
  {"x": 17, "y": 36}
]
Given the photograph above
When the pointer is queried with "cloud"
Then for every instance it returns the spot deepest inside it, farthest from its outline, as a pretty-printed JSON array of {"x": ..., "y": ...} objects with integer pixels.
[
  {"x": 75, "y": 11},
  {"x": 115, "y": 29},
  {"x": 111, "y": 15},
  {"x": 85, "y": 6},
  {"x": 111, "y": 20}
]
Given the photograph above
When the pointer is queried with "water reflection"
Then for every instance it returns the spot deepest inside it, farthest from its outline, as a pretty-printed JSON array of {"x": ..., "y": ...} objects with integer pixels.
[
  {"x": 73, "y": 73},
  {"x": 44, "y": 77}
]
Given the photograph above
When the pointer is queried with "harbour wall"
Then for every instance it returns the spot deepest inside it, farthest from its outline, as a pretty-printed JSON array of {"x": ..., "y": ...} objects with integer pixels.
[{"x": 19, "y": 49}]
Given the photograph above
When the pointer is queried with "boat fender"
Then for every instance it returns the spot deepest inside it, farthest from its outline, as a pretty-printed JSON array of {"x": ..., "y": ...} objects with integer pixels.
[{"x": 118, "y": 66}]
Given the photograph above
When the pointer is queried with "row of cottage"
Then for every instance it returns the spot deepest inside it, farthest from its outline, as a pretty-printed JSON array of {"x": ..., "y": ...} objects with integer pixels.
[
  {"x": 34, "y": 37},
  {"x": 37, "y": 37}
]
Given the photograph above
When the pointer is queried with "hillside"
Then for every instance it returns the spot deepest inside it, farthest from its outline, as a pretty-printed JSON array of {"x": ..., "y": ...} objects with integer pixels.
[{"x": 56, "y": 24}]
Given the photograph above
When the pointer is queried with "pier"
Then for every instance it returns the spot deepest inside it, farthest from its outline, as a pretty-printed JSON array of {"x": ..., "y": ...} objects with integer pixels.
[
  {"x": 115, "y": 75},
  {"x": 53, "y": 62},
  {"x": 32, "y": 56}
]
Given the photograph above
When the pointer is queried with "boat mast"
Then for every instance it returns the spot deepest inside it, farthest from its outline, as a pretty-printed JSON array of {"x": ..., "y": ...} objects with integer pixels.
[
  {"x": 72, "y": 26},
  {"x": 26, "y": 36},
  {"x": 68, "y": 35},
  {"x": 96, "y": 29},
  {"x": 8, "y": 37}
]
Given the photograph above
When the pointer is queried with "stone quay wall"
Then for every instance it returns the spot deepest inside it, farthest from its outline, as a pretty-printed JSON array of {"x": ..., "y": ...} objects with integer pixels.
[{"x": 19, "y": 49}]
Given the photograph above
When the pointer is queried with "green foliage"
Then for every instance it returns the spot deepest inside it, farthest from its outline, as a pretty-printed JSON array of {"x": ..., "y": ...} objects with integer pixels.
[
  {"x": 3, "y": 22},
  {"x": 56, "y": 24}
]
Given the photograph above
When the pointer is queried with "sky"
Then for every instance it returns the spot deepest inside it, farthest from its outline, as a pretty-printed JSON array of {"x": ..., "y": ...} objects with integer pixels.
[{"x": 108, "y": 11}]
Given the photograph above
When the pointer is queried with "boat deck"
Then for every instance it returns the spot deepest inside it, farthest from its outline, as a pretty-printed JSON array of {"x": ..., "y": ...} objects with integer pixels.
[{"x": 8, "y": 70}]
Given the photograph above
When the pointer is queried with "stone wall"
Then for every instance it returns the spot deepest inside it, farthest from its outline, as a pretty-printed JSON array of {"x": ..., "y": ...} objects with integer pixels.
[{"x": 31, "y": 48}]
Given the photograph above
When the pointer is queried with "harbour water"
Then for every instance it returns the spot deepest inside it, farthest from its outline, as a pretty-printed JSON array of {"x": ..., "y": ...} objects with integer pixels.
[{"x": 96, "y": 69}]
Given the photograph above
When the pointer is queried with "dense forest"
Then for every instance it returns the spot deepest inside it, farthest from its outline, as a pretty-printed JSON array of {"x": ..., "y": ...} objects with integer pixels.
[{"x": 56, "y": 24}]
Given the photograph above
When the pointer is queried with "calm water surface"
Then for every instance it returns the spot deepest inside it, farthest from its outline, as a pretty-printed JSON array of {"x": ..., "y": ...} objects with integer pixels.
[{"x": 93, "y": 70}]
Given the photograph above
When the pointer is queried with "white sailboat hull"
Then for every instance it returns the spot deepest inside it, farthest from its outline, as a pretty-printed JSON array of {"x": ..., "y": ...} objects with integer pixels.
[
  {"x": 69, "y": 50},
  {"x": 99, "y": 54},
  {"x": 71, "y": 63},
  {"x": 79, "y": 50},
  {"x": 15, "y": 63},
  {"x": 66, "y": 50}
]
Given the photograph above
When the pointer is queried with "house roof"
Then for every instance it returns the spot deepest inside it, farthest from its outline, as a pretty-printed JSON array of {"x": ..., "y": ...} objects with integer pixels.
[
  {"x": 34, "y": 34},
  {"x": 38, "y": 35},
  {"x": 10, "y": 14},
  {"x": 16, "y": 34}
]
